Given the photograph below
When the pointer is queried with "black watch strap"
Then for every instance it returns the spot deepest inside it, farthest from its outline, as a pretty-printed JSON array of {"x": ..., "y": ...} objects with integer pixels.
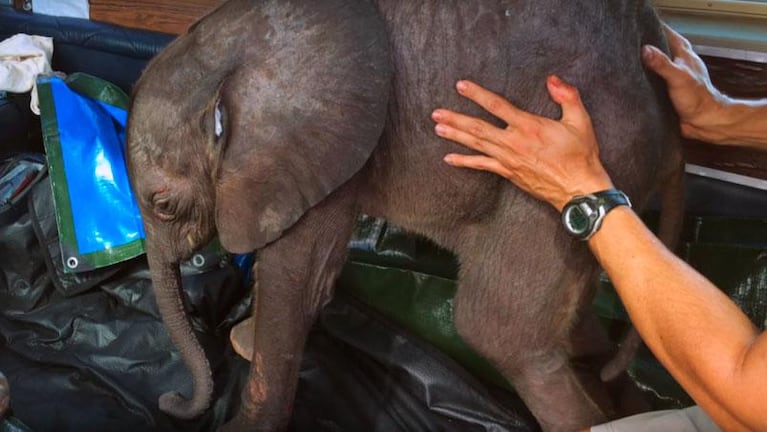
[{"x": 582, "y": 216}]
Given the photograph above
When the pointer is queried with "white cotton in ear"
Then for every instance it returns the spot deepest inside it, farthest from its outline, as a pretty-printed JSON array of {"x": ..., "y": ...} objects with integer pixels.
[{"x": 218, "y": 116}]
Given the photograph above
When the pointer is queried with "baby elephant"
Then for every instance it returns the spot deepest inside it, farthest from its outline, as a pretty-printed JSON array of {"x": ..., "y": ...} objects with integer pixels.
[{"x": 275, "y": 123}]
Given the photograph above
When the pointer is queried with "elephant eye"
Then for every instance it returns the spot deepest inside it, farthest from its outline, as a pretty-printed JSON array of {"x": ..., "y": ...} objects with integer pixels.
[
  {"x": 164, "y": 208},
  {"x": 219, "y": 120}
]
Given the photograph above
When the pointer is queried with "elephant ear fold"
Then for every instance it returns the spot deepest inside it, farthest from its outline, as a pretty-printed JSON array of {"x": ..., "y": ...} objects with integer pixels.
[
  {"x": 271, "y": 175},
  {"x": 301, "y": 114},
  {"x": 302, "y": 109},
  {"x": 279, "y": 160}
]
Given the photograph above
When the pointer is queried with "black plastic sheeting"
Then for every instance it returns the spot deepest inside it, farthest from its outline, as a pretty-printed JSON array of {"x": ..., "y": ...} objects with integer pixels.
[
  {"x": 18, "y": 126},
  {"x": 88, "y": 352},
  {"x": 362, "y": 373}
]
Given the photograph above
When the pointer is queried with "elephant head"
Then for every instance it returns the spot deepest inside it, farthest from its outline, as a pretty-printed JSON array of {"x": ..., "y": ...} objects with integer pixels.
[{"x": 241, "y": 125}]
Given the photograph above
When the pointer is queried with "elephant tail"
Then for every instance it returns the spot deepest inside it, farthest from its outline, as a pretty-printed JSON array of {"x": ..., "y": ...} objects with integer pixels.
[
  {"x": 167, "y": 287},
  {"x": 620, "y": 362},
  {"x": 669, "y": 230}
]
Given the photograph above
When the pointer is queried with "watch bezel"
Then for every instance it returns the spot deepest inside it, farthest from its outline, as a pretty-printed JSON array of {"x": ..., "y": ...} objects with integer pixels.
[
  {"x": 590, "y": 209},
  {"x": 594, "y": 207}
]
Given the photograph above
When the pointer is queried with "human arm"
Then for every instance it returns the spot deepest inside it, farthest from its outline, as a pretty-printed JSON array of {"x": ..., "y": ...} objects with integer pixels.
[
  {"x": 703, "y": 339},
  {"x": 708, "y": 345},
  {"x": 704, "y": 112}
]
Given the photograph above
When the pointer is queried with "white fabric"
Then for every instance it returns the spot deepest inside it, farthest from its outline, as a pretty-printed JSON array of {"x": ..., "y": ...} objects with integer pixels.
[
  {"x": 692, "y": 419},
  {"x": 22, "y": 59},
  {"x": 64, "y": 8}
]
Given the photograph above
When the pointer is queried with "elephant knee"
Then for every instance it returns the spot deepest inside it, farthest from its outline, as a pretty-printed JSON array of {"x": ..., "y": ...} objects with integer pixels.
[
  {"x": 467, "y": 326},
  {"x": 485, "y": 336}
]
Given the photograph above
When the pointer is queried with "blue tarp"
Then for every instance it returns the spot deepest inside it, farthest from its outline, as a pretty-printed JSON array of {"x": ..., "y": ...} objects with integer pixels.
[{"x": 98, "y": 217}]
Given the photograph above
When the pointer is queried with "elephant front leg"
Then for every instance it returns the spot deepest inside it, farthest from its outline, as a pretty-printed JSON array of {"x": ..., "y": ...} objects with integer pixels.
[
  {"x": 293, "y": 280},
  {"x": 528, "y": 349}
]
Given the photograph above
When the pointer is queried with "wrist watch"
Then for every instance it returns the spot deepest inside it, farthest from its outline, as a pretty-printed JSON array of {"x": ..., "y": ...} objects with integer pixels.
[{"x": 583, "y": 215}]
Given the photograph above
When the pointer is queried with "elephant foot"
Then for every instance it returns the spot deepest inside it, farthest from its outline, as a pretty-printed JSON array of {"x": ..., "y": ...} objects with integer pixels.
[
  {"x": 242, "y": 338},
  {"x": 5, "y": 395}
]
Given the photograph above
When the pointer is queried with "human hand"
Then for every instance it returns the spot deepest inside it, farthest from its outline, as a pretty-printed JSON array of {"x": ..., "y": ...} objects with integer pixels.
[
  {"x": 553, "y": 160},
  {"x": 701, "y": 107}
]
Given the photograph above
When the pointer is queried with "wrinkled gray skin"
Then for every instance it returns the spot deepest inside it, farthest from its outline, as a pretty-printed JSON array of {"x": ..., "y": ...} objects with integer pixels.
[{"x": 323, "y": 111}]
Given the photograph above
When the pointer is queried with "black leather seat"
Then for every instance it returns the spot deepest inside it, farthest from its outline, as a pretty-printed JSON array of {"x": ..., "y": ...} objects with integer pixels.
[{"x": 113, "y": 53}]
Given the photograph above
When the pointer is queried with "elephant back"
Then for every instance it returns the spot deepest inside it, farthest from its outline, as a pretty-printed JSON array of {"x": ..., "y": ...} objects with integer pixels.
[{"x": 510, "y": 47}]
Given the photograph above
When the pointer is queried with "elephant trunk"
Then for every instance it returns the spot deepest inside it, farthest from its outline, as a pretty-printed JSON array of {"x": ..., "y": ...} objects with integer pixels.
[{"x": 166, "y": 279}]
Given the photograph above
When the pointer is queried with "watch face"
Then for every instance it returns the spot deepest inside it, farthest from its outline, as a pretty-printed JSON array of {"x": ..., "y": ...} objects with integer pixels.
[
  {"x": 583, "y": 215},
  {"x": 578, "y": 218}
]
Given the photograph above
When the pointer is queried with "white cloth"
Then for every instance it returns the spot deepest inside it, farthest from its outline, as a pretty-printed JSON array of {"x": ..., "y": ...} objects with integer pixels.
[
  {"x": 692, "y": 419},
  {"x": 22, "y": 59}
]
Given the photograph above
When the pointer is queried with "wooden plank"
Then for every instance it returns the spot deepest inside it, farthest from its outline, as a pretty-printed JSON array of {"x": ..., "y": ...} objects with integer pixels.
[
  {"x": 167, "y": 16},
  {"x": 738, "y": 78},
  {"x": 22, "y": 5}
]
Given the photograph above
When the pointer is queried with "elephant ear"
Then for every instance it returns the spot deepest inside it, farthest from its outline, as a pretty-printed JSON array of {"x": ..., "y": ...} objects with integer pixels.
[{"x": 300, "y": 117}]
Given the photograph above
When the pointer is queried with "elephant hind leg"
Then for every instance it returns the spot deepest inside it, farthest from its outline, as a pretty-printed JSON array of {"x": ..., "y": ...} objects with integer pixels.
[
  {"x": 293, "y": 279},
  {"x": 517, "y": 309}
]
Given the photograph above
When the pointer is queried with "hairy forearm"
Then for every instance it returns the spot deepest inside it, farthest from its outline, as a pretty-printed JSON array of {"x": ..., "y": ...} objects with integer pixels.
[
  {"x": 703, "y": 339},
  {"x": 739, "y": 122},
  {"x": 749, "y": 126},
  {"x": 701, "y": 336}
]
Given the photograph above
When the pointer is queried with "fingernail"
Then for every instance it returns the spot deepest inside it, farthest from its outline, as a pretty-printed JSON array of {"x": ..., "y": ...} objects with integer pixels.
[
  {"x": 647, "y": 52},
  {"x": 440, "y": 129},
  {"x": 555, "y": 81},
  {"x": 448, "y": 159},
  {"x": 436, "y": 115},
  {"x": 462, "y": 86}
]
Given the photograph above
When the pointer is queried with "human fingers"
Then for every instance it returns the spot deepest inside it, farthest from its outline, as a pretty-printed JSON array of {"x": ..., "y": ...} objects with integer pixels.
[
  {"x": 477, "y": 162},
  {"x": 678, "y": 44},
  {"x": 466, "y": 139},
  {"x": 467, "y": 124},
  {"x": 568, "y": 97},
  {"x": 659, "y": 62},
  {"x": 491, "y": 102}
]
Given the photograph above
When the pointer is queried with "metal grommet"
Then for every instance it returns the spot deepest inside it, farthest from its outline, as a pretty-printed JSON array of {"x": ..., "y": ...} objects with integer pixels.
[
  {"x": 72, "y": 262},
  {"x": 198, "y": 260}
]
